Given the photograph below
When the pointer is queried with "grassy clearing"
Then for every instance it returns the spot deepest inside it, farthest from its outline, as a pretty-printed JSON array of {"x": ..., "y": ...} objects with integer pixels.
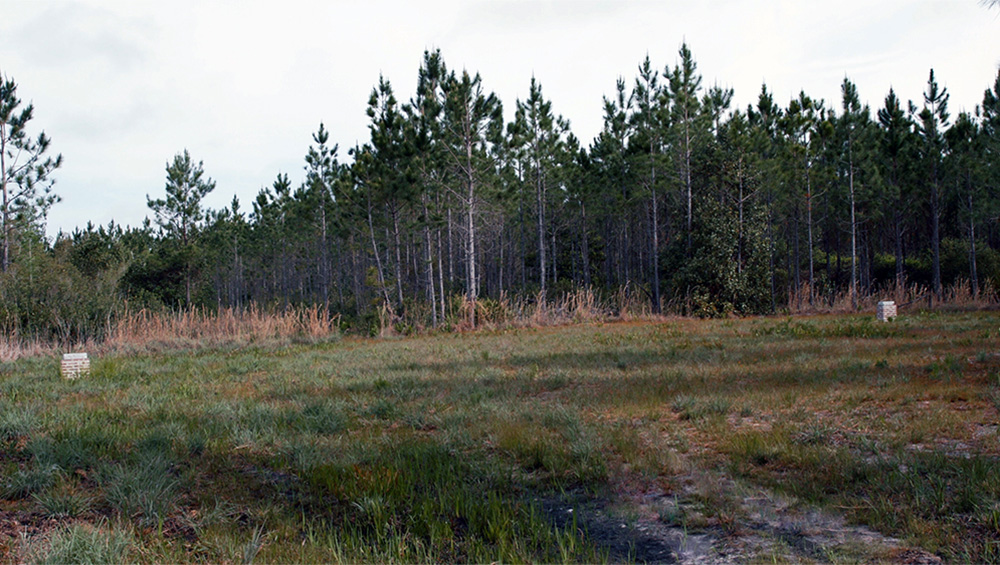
[{"x": 446, "y": 448}]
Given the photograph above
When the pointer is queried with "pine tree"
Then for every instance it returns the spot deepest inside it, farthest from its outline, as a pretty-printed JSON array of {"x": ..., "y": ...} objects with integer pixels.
[
  {"x": 322, "y": 173},
  {"x": 25, "y": 171},
  {"x": 896, "y": 147},
  {"x": 764, "y": 120},
  {"x": 472, "y": 121},
  {"x": 649, "y": 122},
  {"x": 964, "y": 152},
  {"x": 801, "y": 122},
  {"x": 933, "y": 123},
  {"x": 686, "y": 122},
  {"x": 389, "y": 180},
  {"x": 610, "y": 163},
  {"x": 180, "y": 214},
  {"x": 541, "y": 136},
  {"x": 854, "y": 129},
  {"x": 423, "y": 133}
]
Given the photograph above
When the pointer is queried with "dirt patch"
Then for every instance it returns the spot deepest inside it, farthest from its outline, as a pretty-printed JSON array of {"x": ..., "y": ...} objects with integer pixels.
[
  {"x": 713, "y": 519},
  {"x": 627, "y": 538},
  {"x": 18, "y": 526}
]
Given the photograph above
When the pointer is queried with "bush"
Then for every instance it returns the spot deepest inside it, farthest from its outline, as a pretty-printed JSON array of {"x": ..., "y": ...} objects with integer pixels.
[{"x": 727, "y": 271}]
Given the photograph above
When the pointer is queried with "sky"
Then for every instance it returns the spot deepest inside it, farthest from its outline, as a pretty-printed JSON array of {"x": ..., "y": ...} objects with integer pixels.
[{"x": 121, "y": 86}]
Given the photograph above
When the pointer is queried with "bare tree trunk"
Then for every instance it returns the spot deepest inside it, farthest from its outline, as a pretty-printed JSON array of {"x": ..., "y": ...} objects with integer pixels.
[
  {"x": 430, "y": 264},
  {"x": 399, "y": 262},
  {"x": 898, "y": 235},
  {"x": 854, "y": 243},
  {"x": 7, "y": 228},
  {"x": 655, "y": 231},
  {"x": 936, "y": 233},
  {"x": 973, "y": 274},
  {"x": 739, "y": 227},
  {"x": 378, "y": 258},
  {"x": 809, "y": 222},
  {"x": 540, "y": 204},
  {"x": 324, "y": 256},
  {"x": 687, "y": 179},
  {"x": 796, "y": 257},
  {"x": 440, "y": 255},
  {"x": 555, "y": 273},
  {"x": 584, "y": 245},
  {"x": 473, "y": 291},
  {"x": 451, "y": 253}
]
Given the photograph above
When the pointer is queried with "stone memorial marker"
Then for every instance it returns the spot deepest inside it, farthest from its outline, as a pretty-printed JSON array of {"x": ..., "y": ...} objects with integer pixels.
[
  {"x": 885, "y": 311},
  {"x": 75, "y": 365}
]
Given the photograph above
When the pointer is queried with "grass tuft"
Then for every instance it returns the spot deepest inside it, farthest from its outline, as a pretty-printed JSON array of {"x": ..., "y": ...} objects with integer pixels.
[
  {"x": 82, "y": 544},
  {"x": 144, "y": 491}
]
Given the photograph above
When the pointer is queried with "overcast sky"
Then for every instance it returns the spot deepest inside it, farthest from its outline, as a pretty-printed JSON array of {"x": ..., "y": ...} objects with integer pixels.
[{"x": 121, "y": 86}]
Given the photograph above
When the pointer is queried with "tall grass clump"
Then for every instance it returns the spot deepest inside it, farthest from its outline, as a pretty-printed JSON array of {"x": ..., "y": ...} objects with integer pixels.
[
  {"x": 144, "y": 490},
  {"x": 27, "y": 481},
  {"x": 419, "y": 501},
  {"x": 13, "y": 347},
  {"x": 143, "y": 328},
  {"x": 957, "y": 296},
  {"x": 81, "y": 544}
]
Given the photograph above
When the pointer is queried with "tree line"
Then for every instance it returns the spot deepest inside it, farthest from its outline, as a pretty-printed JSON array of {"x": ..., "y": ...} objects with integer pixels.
[{"x": 692, "y": 205}]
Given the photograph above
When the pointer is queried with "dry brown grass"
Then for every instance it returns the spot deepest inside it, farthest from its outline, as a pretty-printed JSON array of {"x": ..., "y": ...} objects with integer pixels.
[
  {"x": 958, "y": 296},
  {"x": 579, "y": 306},
  {"x": 13, "y": 348},
  {"x": 145, "y": 329},
  {"x": 198, "y": 326}
]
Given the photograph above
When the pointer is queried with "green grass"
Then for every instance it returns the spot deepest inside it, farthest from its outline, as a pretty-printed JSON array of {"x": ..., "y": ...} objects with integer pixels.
[
  {"x": 444, "y": 448},
  {"x": 82, "y": 544}
]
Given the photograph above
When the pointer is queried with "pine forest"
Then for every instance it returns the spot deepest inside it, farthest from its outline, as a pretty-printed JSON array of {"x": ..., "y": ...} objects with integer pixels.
[{"x": 461, "y": 211}]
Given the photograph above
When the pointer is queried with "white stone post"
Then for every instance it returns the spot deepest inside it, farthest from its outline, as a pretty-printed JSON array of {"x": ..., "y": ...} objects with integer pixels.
[
  {"x": 75, "y": 365},
  {"x": 885, "y": 311}
]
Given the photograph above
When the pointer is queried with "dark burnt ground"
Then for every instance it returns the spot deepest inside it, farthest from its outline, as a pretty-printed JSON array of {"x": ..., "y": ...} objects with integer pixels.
[{"x": 629, "y": 538}]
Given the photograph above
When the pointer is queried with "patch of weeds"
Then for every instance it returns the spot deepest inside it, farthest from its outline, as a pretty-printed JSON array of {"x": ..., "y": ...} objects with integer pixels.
[
  {"x": 144, "y": 490},
  {"x": 551, "y": 383},
  {"x": 382, "y": 409},
  {"x": 683, "y": 404},
  {"x": 77, "y": 448},
  {"x": 865, "y": 327},
  {"x": 16, "y": 424},
  {"x": 157, "y": 440},
  {"x": 60, "y": 454},
  {"x": 672, "y": 513},
  {"x": 26, "y": 482},
  {"x": 994, "y": 398},
  {"x": 812, "y": 434},
  {"x": 756, "y": 448},
  {"x": 253, "y": 546},
  {"x": 106, "y": 369},
  {"x": 319, "y": 417},
  {"x": 195, "y": 443},
  {"x": 787, "y": 328},
  {"x": 946, "y": 369},
  {"x": 63, "y": 501},
  {"x": 80, "y": 544},
  {"x": 416, "y": 501},
  {"x": 690, "y": 408},
  {"x": 561, "y": 454},
  {"x": 717, "y": 502}
]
